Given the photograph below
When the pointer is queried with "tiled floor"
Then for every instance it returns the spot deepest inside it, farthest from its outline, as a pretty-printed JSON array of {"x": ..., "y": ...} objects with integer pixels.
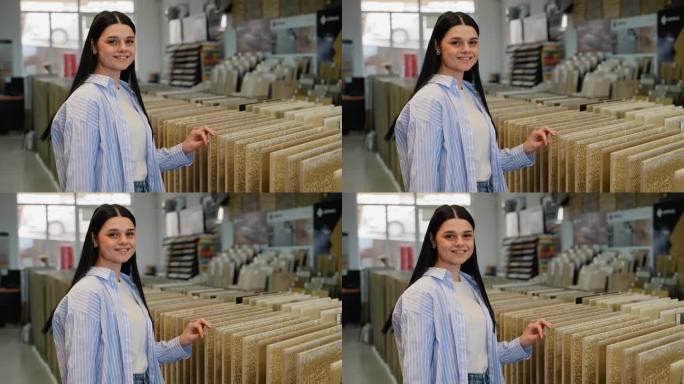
[
  {"x": 363, "y": 169},
  {"x": 22, "y": 170},
  {"x": 19, "y": 363},
  {"x": 360, "y": 364}
]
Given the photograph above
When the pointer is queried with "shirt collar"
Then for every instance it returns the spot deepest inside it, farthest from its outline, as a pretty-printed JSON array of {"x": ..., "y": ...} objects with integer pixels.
[
  {"x": 106, "y": 81},
  {"x": 108, "y": 274},
  {"x": 445, "y": 275},
  {"x": 449, "y": 81}
]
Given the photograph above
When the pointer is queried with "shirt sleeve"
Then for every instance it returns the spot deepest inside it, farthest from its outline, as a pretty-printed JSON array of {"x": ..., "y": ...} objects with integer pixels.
[
  {"x": 515, "y": 158},
  {"x": 75, "y": 146},
  {"x": 170, "y": 351},
  {"x": 415, "y": 336},
  {"x": 172, "y": 158},
  {"x": 77, "y": 356},
  {"x": 511, "y": 351}
]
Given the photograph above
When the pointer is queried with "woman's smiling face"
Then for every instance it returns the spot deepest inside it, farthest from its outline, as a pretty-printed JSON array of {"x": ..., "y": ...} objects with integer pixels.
[
  {"x": 459, "y": 49},
  {"x": 116, "y": 240},
  {"x": 116, "y": 47},
  {"x": 455, "y": 242}
]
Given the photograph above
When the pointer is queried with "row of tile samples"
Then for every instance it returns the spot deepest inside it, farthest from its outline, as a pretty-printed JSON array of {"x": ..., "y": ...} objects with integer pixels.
[
  {"x": 617, "y": 337},
  {"x": 258, "y": 337},
  {"x": 617, "y": 146},
  {"x": 276, "y": 146},
  {"x": 266, "y": 338},
  {"x": 611, "y": 338},
  {"x": 272, "y": 270}
]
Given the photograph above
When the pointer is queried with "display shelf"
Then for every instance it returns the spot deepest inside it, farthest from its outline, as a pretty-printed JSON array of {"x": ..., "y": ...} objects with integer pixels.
[
  {"x": 186, "y": 256},
  {"x": 186, "y": 65},
  {"x": 530, "y": 64},
  {"x": 527, "y": 256}
]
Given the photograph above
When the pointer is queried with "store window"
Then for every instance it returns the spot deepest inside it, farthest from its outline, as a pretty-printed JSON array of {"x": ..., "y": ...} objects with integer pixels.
[
  {"x": 51, "y": 29},
  {"x": 50, "y": 221},
  {"x": 394, "y": 28},
  {"x": 388, "y": 222}
]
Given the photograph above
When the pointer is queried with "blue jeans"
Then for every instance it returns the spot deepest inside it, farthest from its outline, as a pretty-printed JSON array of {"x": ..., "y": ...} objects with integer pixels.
[
  {"x": 485, "y": 186},
  {"x": 141, "y": 186},
  {"x": 478, "y": 378},
  {"x": 140, "y": 378}
]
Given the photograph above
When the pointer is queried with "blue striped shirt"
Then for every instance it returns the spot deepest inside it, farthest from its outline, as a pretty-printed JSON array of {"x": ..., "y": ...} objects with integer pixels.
[
  {"x": 435, "y": 142},
  {"x": 429, "y": 329},
  {"x": 90, "y": 141},
  {"x": 93, "y": 338}
]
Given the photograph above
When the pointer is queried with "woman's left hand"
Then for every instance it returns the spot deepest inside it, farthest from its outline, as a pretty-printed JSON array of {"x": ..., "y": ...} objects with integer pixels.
[
  {"x": 537, "y": 138},
  {"x": 533, "y": 332},
  {"x": 196, "y": 138},
  {"x": 192, "y": 331}
]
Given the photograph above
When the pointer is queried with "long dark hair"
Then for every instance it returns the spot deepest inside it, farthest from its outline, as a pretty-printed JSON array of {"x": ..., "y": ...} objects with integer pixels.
[
  {"x": 88, "y": 62},
  {"x": 428, "y": 254},
  {"x": 90, "y": 254},
  {"x": 432, "y": 61}
]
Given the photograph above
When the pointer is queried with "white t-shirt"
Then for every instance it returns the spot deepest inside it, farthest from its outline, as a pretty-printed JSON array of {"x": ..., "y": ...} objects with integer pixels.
[
  {"x": 476, "y": 338},
  {"x": 483, "y": 167},
  {"x": 136, "y": 134},
  {"x": 136, "y": 318}
]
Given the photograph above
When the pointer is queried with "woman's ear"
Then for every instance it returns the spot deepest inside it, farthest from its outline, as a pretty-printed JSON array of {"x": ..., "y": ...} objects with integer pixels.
[
  {"x": 94, "y": 241},
  {"x": 92, "y": 47}
]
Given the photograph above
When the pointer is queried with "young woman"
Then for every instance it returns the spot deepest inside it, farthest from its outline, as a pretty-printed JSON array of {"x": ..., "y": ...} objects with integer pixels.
[
  {"x": 443, "y": 323},
  {"x": 446, "y": 139},
  {"x": 102, "y": 327},
  {"x": 101, "y": 136}
]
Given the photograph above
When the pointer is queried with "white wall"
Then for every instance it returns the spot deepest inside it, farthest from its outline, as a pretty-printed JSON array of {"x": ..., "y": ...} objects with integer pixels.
[
  {"x": 487, "y": 14},
  {"x": 145, "y": 207},
  {"x": 148, "y": 20},
  {"x": 10, "y": 28},
  {"x": 485, "y": 211}
]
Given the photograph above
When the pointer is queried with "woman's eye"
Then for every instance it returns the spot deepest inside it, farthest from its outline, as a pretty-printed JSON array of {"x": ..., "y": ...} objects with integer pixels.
[{"x": 112, "y": 235}]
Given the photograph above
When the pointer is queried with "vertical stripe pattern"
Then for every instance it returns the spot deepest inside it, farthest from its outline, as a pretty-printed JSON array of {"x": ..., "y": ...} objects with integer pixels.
[
  {"x": 430, "y": 333},
  {"x": 92, "y": 334},
  {"x": 435, "y": 142},
  {"x": 91, "y": 143}
]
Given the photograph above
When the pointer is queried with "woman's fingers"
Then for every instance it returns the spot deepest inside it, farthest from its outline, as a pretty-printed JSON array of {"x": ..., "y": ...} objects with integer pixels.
[
  {"x": 198, "y": 329},
  {"x": 202, "y": 134}
]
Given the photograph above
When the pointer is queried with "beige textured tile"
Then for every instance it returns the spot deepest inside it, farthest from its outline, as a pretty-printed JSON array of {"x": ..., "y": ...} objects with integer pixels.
[
  {"x": 313, "y": 366},
  {"x": 653, "y": 366}
]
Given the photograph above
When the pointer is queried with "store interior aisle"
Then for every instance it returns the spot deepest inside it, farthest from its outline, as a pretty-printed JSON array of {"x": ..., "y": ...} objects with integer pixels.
[
  {"x": 363, "y": 169},
  {"x": 19, "y": 363},
  {"x": 21, "y": 170},
  {"x": 361, "y": 364}
]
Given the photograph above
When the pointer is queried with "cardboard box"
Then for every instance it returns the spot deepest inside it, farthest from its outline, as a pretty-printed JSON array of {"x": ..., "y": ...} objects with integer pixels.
[
  {"x": 238, "y": 12},
  {"x": 611, "y": 9},
  {"x": 289, "y": 8},
  {"x": 270, "y": 9},
  {"x": 253, "y": 10},
  {"x": 595, "y": 9},
  {"x": 630, "y": 8},
  {"x": 311, "y": 6}
]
